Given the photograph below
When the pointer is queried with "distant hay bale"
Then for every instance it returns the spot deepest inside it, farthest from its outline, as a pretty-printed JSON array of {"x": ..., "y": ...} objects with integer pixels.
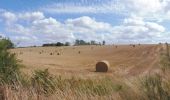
[
  {"x": 102, "y": 66},
  {"x": 51, "y": 53},
  {"x": 58, "y": 53},
  {"x": 40, "y": 52}
]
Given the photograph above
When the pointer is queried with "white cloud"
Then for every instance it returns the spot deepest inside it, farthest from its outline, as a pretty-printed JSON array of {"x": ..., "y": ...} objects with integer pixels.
[
  {"x": 137, "y": 29},
  {"x": 9, "y": 17},
  {"x": 31, "y": 15},
  {"x": 47, "y": 29},
  {"x": 88, "y": 23},
  {"x": 110, "y": 6},
  {"x": 139, "y": 22},
  {"x": 134, "y": 20},
  {"x": 155, "y": 27},
  {"x": 149, "y": 9},
  {"x": 48, "y": 22},
  {"x": 151, "y": 6}
]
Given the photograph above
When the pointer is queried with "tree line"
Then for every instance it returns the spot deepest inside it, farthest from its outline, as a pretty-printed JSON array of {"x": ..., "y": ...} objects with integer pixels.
[
  {"x": 56, "y": 44},
  {"x": 76, "y": 43}
]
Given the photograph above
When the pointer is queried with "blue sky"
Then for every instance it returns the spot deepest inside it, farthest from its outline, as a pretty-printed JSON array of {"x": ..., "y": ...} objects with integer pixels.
[{"x": 34, "y": 22}]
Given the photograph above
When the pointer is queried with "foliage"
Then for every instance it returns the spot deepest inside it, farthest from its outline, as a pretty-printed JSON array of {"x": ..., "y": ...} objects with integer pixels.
[
  {"x": 56, "y": 44},
  {"x": 67, "y": 44},
  {"x": 6, "y": 44},
  {"x": 83, "y": 42},
  {"x": 9, "y": 65},
  {"x": 103, "y": 43}
]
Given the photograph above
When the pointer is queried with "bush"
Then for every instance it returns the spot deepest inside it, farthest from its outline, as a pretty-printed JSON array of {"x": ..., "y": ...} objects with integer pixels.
[
  {"x": 6, "y": 44},
  {"x": 9, "y": 65}
]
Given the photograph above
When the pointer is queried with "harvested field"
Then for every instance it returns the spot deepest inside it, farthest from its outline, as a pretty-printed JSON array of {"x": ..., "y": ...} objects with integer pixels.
[{"x": 124, "y": 59}]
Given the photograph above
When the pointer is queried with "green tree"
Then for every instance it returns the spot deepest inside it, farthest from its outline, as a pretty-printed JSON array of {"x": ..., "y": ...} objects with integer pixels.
[
  {"x": 93, "y": 42},
  {"x": 67, "y": 44},
  {"x": 104, "y": 43}
]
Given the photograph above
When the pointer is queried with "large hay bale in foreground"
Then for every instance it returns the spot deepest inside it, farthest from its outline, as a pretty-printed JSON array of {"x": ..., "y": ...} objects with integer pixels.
[{"x": 102, "y": 66}]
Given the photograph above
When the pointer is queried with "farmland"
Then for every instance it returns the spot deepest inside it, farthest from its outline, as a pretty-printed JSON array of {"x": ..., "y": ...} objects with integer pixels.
[
  {"x": 68, "y": 72},
  {"x": 124, "y": 59}
]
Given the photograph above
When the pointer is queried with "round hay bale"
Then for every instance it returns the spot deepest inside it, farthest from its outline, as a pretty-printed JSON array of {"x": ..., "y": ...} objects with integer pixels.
[
  {"x": 102, "y": 66},
  {"x": 58, "y": 53}
]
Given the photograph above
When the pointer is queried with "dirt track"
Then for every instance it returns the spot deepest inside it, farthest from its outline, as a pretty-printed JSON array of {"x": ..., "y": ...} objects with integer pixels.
[{"x": 125, "y": 60}]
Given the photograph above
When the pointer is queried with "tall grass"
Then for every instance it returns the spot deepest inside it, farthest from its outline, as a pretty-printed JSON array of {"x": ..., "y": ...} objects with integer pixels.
[{"x": 43, "y": 82}]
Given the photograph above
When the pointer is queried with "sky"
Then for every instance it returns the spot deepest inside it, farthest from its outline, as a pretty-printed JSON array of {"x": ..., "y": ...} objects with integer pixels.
[{"x": 35, "y": 22}]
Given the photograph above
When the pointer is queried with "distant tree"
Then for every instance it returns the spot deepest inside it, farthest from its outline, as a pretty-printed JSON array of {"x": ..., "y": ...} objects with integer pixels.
[
  {"x": 93, "y": 42},
  {"x": 82, "y": 42},
  {"x": 103, "y": 43},
  {"x": 67, "y": 44},
  {"x": 59, "y": 44},
  {"x": 88, "y": 43},
  {"x": 56, "y": 44},
  {"x": 77, "y": 42}
]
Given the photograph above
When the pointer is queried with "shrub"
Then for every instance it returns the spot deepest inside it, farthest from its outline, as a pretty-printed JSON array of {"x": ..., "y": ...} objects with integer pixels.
[
  {"x": 6, "y": 44},
  {"x": 9, "y": 65}
]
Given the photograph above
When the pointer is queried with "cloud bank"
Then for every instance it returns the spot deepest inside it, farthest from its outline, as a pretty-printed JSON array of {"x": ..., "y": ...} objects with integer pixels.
[
  {"x": 143, "y": 22},
  {"x": 35, "y": 27}
]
